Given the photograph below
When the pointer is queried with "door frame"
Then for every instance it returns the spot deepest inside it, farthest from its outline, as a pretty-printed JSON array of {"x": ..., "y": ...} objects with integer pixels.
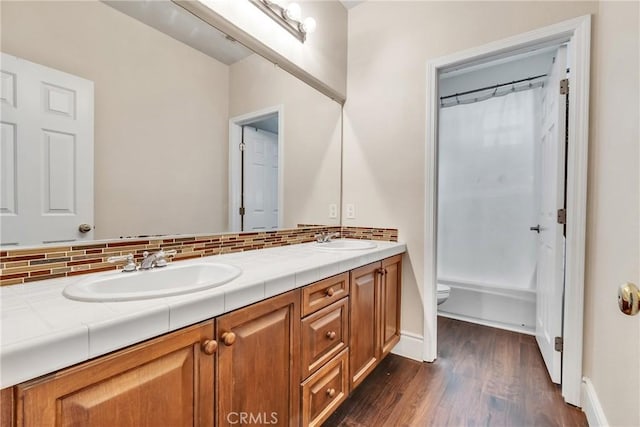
[
  {"x": 235, "y": 138},
  {"x": 578, "y": 31}
]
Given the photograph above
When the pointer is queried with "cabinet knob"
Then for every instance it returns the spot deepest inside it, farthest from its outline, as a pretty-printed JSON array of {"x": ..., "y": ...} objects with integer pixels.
[
  {"x": 209, "y": 347},
  {"x": 380, "y": 271},
  {"x": 228, "y": 338},
  {"x": 330, "y": 292},
  {"x": 331, "y": 392},
  {"x": 331, "y": 335}
]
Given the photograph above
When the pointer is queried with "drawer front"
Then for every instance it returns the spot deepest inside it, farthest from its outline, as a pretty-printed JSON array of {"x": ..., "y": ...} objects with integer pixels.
[
  {"x": 325, "y": 292},
  {"x": 325, "y": 333},
  {"x": 325, "y": 390}
]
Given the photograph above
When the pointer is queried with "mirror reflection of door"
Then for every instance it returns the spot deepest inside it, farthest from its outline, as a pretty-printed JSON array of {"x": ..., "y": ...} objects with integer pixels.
[
  {"x": 259, "y": 174},
  {"x": 46, "y": 159},
  {"x": 260, "y": 179}
]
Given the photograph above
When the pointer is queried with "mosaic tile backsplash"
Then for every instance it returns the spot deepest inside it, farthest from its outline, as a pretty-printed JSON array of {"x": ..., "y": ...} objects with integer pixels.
[{"x": 27, "y": 265}]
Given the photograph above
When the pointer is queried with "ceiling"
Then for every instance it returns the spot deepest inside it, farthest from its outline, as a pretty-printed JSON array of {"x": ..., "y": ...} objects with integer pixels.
[
  {"x": 351, "y": 3},
  {"x": 173, "y": 20}
]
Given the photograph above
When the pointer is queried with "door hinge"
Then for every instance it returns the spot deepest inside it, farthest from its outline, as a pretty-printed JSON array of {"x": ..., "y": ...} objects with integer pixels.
[
  {"x": 241, "y": 210},
  {"x": 562, "y": 216},
  {"x": 558, "y": 344},
  {"x": 564, "y": 86},
  {"x": 242, "y": 146}
]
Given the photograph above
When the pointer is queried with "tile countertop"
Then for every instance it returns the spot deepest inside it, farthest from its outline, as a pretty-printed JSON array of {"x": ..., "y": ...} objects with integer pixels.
[{"x": 41, "y": 331}]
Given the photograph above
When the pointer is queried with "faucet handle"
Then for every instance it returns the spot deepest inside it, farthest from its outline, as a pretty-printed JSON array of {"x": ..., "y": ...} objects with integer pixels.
[
  {"x": 162, "y": 254},
  {"x": 130, "y": 266}
]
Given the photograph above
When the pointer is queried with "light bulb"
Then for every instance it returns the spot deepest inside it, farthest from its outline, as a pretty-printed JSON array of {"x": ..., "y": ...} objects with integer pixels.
[
  {"x": 308, "y": 26},
  {"x": 293, "y": 11}
]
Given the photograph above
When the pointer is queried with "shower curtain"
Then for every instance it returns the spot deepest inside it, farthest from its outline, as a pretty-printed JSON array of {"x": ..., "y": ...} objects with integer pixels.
[{"x": 487, "y": 191}]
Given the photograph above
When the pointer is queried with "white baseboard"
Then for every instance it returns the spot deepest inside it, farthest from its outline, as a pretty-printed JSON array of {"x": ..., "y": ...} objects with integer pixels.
[
  {"x": 410, "y": 346},
  {"x": 591, "y": 405},
  {"x": 499, "y": 325}
]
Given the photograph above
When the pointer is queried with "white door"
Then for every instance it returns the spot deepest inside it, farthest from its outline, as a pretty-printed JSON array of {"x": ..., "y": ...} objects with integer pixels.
[
  {"x": 550, "y": 272},
  {"x": 46, "y": 163},
  {"x": 260, "y": 180}
]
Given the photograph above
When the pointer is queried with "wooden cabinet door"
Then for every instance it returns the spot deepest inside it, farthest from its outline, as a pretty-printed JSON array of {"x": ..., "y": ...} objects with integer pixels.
[
  {"x": 364, "y": 335},
  {"x": 390, "y": 287},
  {"x": 167, "y": 381},
  {"x": 258, "y": 362}
]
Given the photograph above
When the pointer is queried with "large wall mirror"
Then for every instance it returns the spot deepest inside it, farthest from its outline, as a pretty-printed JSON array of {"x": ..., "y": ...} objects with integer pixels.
[{"x": 168, "y": 103}]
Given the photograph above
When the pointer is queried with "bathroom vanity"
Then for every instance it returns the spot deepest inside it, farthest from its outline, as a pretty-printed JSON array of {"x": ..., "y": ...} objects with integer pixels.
[{"x": 300, "y": 329}]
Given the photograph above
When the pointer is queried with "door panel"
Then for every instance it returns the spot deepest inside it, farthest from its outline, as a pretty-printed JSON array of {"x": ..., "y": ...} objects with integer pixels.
[
  {"x": 390, "y": 294},
  {"x": 165, "y": 381},
  {"x": 47, "y": 154},
  {"x": 259, "y": 369},
  {"x": 8, "y": 151},
  {"x": 260, "y": 179},
  {"x": 550, "y": 271},
  {"x": 123, "y": 399},
  {"x": 364, "y": 340}
]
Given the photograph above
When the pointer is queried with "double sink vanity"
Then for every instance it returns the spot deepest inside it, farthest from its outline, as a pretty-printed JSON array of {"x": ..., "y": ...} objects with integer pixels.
[{"x": 276, "y": 336}]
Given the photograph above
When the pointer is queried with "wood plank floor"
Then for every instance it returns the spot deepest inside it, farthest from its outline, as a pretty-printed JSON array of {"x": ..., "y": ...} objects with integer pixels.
[{"x": 483, "y": 377}]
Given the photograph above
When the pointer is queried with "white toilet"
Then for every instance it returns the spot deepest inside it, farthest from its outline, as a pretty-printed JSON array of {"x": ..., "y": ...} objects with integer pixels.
[{"x": 443, "y": 293}]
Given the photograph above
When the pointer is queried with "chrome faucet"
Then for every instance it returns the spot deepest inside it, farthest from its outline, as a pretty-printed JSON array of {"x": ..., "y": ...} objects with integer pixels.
[
  {"x": 325, "y": 237},
  {"x": 156, "y": 259}
]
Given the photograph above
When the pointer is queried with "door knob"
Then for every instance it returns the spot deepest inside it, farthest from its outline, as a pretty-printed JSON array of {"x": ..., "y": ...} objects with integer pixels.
[
  {"x": 84, "y": 228},
  {"x": 629, "y": 298},
  {"x": 536, "y": 228}
]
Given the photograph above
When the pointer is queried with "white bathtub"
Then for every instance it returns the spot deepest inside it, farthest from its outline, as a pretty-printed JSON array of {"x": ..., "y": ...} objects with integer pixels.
[{"x": 506, "y": 308}]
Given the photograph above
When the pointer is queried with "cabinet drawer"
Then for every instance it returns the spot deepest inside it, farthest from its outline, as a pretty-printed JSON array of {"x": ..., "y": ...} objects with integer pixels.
[
  {"x": 325, "y": 333},
  {"x": 323, "y": 293},
  {"x": 325, "y": 390}
]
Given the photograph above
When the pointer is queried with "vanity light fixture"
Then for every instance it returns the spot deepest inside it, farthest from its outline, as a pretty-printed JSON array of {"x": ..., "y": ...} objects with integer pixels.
[{"x": 288, "y": 17}]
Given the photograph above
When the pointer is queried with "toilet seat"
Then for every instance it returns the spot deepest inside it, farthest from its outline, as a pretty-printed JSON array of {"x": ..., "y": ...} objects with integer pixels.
[
  {"x": 442, "y": 293},
  {"x": 443, "y": 289}
]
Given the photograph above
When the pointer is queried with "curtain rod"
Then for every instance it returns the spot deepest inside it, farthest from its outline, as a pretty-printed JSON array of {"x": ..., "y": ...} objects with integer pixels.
[{"x": 492, "y": 87}]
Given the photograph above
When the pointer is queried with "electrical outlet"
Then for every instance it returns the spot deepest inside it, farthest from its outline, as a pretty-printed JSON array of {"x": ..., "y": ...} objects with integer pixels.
[
  {"x": 351, "y": 211},
  {"x": 333, "y": 210}
]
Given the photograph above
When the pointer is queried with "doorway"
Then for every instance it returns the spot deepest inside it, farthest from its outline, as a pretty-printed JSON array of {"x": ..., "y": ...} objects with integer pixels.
[
  {"x": 577, "y": 33},
  {"x": 500, "y": 183},
  {"x": 255, "y": 171}
]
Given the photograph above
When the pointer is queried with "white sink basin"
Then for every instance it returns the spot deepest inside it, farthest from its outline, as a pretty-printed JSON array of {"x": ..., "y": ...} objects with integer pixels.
[
  {"x": 155, "y": 283},
  {"x": 346, "y": 245}
]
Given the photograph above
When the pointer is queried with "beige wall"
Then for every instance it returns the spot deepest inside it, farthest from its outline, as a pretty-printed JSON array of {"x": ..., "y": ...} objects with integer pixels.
[
  {"x": 384, "y": 137},
  {"x": 612, "y": 340},
  {"x": 160, "y": 114},
  {"x": 312, "y": 125},
  {"x": 324, "y": 53}
]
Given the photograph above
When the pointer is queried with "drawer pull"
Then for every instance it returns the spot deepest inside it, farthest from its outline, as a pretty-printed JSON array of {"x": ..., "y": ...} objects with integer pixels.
[
  {"x": 331, "y": 392},
  {"x": 331, "y": 335},
  {"x": 209, "y": 347},
  {"x": 228, "y": 338},
  {"x": 330, "y": 292}
]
